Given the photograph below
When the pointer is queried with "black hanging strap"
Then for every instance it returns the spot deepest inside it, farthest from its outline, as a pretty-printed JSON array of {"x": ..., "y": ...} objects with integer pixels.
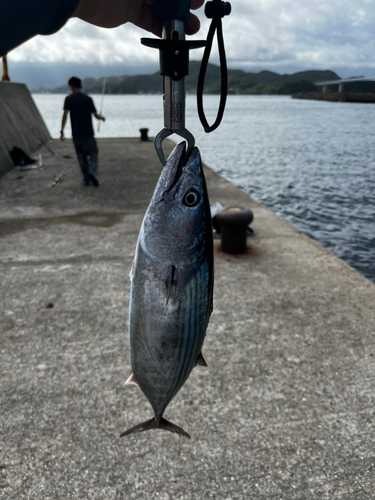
[{"x": 215, "y": 10}]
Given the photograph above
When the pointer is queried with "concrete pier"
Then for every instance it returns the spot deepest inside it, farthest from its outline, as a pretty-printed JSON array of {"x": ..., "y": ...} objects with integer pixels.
[
  {"x": 285, "y": 409},
  {"x": 362, "y": 97}
]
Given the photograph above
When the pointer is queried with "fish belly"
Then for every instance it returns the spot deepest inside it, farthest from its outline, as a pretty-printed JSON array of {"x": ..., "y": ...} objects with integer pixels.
[{"x": 166, "y": 337}]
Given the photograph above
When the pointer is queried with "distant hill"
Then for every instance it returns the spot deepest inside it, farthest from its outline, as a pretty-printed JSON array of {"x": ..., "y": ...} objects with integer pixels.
[
  {"x": 90, "y": 85},
  {"x": 239, "y": 82}
]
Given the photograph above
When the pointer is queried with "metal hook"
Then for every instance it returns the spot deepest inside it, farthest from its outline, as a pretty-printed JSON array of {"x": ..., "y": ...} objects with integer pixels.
[{"x": 166, "y": 132}]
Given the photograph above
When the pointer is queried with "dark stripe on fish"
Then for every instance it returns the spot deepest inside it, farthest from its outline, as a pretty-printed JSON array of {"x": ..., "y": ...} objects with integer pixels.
[{"x": 190, "y": 326}]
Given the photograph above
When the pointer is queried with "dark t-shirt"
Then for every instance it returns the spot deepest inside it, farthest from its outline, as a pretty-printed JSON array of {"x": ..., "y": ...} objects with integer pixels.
[{"x": 80, "y": 106}]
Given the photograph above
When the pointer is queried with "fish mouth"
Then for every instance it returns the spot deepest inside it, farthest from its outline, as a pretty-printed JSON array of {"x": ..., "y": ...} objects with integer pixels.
[{"x": 175, "y": 166}]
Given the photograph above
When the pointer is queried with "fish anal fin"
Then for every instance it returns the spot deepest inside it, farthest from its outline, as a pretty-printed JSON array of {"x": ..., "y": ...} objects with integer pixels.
[
  {"x": 201, "y": 361},
  {"x": 131, "y": 380},
  {"x": 153, "y": 424}
]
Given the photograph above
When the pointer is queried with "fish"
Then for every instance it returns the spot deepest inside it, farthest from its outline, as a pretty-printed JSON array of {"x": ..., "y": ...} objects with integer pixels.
[{"x": 171, "y": 296}]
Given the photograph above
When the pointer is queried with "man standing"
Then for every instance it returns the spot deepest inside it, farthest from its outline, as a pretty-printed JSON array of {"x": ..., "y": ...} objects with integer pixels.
[{"x": 81, "y": 107}]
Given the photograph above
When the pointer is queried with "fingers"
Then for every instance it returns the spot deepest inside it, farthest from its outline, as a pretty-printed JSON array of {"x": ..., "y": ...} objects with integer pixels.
[
  {"x": 196, "y": 4},
  {"x": 193, "y": 25},
  {"x": 148, "y": 22},
  {"x": 139, "y": 12}
]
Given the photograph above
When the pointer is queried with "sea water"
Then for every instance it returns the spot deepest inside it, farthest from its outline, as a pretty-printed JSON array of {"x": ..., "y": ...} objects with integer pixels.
[{"x": 310, "y": 162}]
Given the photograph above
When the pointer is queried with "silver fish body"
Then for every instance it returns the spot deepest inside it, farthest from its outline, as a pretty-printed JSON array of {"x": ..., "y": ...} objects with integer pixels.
[{"x": 172, "y": 286}]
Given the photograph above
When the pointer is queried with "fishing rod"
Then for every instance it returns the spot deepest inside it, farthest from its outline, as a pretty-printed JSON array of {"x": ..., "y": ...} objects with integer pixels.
[
  {"x": 174, "y": 67},
  {"x": 42, "y": 142},
  {"x": 101, "y": 107},
  {"x": 103, "y": 91}
]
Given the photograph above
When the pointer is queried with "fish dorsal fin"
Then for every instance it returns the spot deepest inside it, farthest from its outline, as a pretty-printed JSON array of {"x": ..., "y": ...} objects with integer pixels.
[
  {"x": 171, "y": 285},
  {"x": 200, "y": 361},
  {"x": 131, "y": 381}
]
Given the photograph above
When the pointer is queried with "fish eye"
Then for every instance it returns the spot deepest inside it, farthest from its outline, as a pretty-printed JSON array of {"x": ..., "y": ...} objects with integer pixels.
[{"x": 191, "y": 198}]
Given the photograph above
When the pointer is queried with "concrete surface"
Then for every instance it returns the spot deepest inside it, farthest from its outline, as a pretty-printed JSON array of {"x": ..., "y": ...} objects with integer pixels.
[
  {"x": 21, "y": 123},
  {"x": 285, "y": 409}
]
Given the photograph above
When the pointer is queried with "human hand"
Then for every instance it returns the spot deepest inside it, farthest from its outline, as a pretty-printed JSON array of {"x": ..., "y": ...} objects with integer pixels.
[
  {"x": 99, "y": 117},
  {"x": 113, "y": 13}
]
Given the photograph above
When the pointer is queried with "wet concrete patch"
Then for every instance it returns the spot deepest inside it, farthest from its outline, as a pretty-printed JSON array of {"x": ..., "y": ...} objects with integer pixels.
[{"x": 93, "y": 219}]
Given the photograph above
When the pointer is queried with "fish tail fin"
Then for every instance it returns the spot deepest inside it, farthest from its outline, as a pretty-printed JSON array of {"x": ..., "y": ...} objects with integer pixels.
[
  {"x": 154, "y": 424},
  {"x": 169, "y": 426}
]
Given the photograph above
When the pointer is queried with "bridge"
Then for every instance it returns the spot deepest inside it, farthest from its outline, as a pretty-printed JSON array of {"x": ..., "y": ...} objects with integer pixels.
[{"x": 342, "y": 81}]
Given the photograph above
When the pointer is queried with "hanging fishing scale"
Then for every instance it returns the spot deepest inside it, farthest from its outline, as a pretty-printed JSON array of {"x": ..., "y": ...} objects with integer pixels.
[{"x": 174, "y": 67}]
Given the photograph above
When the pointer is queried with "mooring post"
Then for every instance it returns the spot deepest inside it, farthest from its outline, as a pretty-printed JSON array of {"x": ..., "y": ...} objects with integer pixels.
[
  {"x": 144, "y": 134},
  {"x": 234, "y": 222}
]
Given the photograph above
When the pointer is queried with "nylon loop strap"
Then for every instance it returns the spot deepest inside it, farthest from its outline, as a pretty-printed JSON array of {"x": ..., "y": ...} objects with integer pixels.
[{"x": 216, "y": 10}]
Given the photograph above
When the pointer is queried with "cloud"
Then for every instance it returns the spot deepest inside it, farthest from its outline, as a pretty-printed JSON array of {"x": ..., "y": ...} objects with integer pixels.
[
  {"x": 317, "y": 34},
  {"x": 259, "y": 34},
  {"x": 78, "y": 41}
]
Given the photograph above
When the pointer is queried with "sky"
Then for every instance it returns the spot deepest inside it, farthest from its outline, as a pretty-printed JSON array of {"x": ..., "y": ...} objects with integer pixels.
[{"x": 284, "y": 36}]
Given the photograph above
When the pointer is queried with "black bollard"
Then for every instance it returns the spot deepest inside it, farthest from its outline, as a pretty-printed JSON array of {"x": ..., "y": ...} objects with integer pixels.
[
  {"x": 144, "y": 132},
  {"x": 234, "y": 222}
]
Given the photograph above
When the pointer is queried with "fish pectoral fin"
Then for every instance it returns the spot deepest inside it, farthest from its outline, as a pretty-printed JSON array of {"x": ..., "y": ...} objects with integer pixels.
[
  {"x": 200, "y": 361},
  {"x": 153, "y": 424},
  {"x": 131, "y": 380},
  {"x": 171, "y": 285}
]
